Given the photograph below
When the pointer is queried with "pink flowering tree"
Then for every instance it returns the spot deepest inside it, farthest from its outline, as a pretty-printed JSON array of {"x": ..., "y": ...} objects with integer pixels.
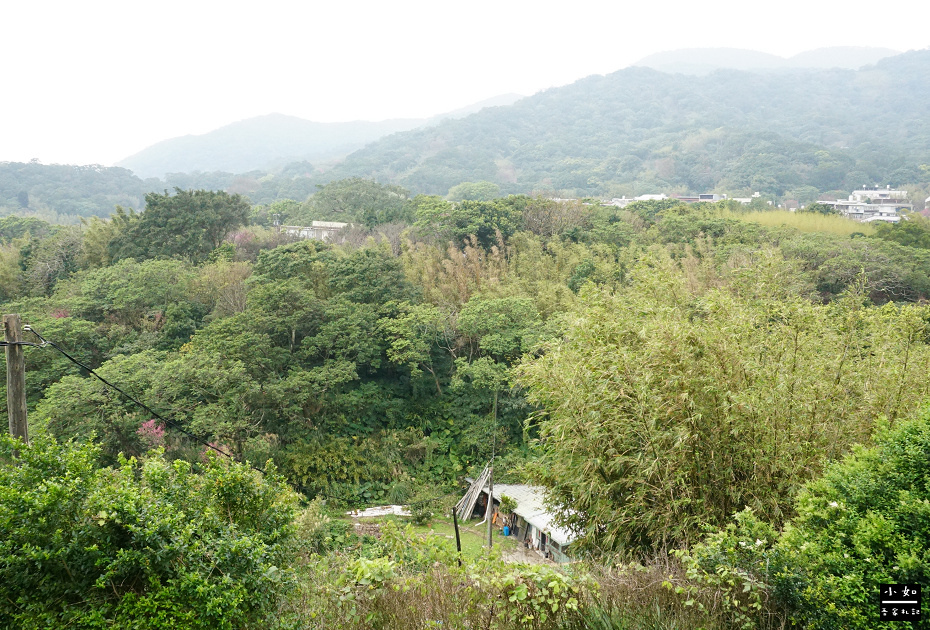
[{"x": 152, "y": 433}]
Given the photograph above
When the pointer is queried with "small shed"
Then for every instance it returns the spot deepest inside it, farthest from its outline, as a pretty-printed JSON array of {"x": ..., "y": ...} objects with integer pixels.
[{"x": 532, "y": 524}]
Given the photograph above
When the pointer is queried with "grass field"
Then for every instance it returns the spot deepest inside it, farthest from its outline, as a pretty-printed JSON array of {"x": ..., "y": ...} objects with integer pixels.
[
  {"x": 473, "y": 537},
  {"x": 804, "y": 221}
]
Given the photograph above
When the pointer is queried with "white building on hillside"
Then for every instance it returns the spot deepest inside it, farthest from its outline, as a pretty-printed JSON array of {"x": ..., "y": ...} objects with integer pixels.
[
  {"x": 624, "y": 202},
  {"x": 869, "y": 205},
  {"x": 318, "y": 230}
]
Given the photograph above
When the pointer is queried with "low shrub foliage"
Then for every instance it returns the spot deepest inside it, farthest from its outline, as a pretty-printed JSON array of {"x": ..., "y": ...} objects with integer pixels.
[{"x": 147, "y": 544}]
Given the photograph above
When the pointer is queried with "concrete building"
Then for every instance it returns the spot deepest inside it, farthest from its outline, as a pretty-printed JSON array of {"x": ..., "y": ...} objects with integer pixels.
[
  {"x": 318, "y": 230},
  {"x": 873, "y": 204},
  {"x": 703, "y": 197},
  {"x": 623, "y": 202}
]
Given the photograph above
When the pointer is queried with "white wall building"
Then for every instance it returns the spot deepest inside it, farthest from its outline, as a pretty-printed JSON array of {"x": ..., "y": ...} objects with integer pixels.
[
  {"x": 623, "y": 202},
  {"x": 868, "y": 205},
  {"x": 318, "y": 230}
]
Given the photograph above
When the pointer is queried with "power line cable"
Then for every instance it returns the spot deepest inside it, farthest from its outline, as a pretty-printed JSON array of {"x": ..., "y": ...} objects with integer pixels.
[
  {"x": 22, "y": 343},
  {"x": 89, "y": 370},
  {"x": 46, "y": 342}
]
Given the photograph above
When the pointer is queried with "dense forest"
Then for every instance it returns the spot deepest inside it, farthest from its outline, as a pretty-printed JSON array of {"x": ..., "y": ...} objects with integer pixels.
[
  {"x": 791, "y": 134},
  {"x": 60, "y": 193},
  {"x": 660, "y": 368}
]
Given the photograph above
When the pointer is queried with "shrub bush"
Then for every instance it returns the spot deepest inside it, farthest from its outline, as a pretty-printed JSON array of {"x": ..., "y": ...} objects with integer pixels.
[
  {"x": 149, "y": 544},
  {"x": 865, "y": 522},
  {"x": 688, "y": 394}
]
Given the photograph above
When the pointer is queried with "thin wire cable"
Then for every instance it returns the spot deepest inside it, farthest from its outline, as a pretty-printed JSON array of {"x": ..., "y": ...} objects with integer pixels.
[
  {"x": 89, "y": 370},
  {"x": 22, "y": 343}
]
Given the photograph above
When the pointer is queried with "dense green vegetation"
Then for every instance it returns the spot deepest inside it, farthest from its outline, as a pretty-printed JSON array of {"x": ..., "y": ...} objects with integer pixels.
[
  {"x": 862, "y": 524},
  {"x": 790, "y": 135},
  {"x": 61, "y": 193},
  {"x": 684, "y": 396},
  {"x": 659, "y": 367},
  {"x": 146, "y": 544}
]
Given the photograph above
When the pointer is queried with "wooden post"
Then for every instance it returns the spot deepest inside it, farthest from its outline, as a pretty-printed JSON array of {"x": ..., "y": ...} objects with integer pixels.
[
  {"x": 458, "y": 543},
  {"x": 15, "y": 377},
  {"x": 490, "y": 511}
]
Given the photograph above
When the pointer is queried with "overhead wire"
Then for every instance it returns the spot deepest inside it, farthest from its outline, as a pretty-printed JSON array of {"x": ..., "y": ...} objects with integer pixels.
[
  {"x": 43, "y": 342},
  {"x": 89, "y": 370}
]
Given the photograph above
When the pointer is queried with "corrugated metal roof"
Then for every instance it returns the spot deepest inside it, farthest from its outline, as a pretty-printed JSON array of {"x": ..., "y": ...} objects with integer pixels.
[{"x": 530, "y": 505}]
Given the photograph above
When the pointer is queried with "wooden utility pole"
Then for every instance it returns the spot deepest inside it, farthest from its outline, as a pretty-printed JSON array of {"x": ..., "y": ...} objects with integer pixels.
[
  {"x": 491, "y": 473},
  {"x": 15, "y": 376},
  {"x": 490, "y": 512},
  {"x": 458, "y": 542}
]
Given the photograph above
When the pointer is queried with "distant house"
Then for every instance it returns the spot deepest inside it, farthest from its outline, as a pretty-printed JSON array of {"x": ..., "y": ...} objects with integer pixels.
[
  {"x": 703, "y": 197},
  {"x": 868, "y": 205},
  {"x": 532, "y": 524},
  {"x": 623, "y": 202},
  {"x": 747, "y": 200},
  {"x": 318, "y": 230}
]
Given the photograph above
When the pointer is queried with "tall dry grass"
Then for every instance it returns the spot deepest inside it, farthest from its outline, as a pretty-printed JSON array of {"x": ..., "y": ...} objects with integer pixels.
[
  {"x": 625, "y": 597},
  {"x": 803, "y": 221}
]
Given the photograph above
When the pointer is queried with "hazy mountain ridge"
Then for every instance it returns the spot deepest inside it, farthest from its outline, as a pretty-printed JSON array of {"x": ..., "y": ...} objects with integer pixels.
[
  {"x": 270, "y": 141},
  {"x": 639, "y": 129},
  {"x": 701, "y": 61},
  {"x": 260, "y": 142},
  {"x": 792, "y": 134}
]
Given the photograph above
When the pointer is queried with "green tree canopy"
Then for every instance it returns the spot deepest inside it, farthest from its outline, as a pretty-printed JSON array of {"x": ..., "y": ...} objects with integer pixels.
[
  {"x": 670, "y": 405},
  {"x": 187, "y": 224},
  {"x": 357, "y": 200},
  {"x": 474, "y": 191},
  {"x": 914, "y": 231},
  {"x": 457, "y": 221},
  {"x": 860, "y": 525}
]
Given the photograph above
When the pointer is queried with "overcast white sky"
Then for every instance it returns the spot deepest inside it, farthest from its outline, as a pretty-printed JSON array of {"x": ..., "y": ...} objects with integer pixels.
[{"x": 97, "y": 80}]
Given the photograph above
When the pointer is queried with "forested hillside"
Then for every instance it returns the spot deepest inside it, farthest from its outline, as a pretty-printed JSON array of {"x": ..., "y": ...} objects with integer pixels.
[
  {"x": 789, "y": 134},
  {"x": 269, "y": 142},
  {"x": 61, "y": 193},
  {"x": 66, "y": 194}
]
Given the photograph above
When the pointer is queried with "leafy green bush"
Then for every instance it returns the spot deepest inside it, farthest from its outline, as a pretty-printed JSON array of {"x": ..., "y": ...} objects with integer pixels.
[
  {"x": 508, "y": 504},
  {"x": 413, "y": 552},
  {"x": 526, "y": 596},
  {"x": 415, "y": 582},
  {"x": 422, "y": 508},
  {"x": 865, "y": 522},
  {"x": 318, "y": 532},
  {"x": 732, "y": 570},
  {"x": 150, "y": 544}
]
